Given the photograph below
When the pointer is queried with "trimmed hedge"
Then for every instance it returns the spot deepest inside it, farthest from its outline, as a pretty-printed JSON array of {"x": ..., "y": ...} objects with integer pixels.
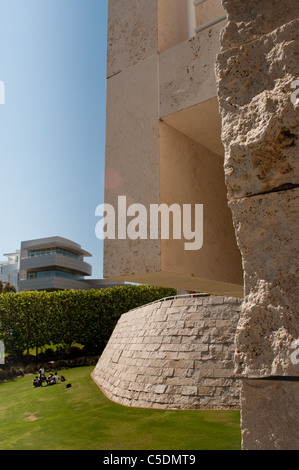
[{"x": 88, "y": 317}]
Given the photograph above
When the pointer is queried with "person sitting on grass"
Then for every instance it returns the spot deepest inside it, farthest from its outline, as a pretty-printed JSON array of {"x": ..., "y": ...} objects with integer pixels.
[
  {"x": 36, "y": 382},
  {"x": 50, "y": 380},
  {"x": 56, "y": 378}
]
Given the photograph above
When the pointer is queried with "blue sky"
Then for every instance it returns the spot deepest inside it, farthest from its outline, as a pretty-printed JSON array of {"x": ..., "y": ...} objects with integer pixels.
[{"x": 52, "y": 125}]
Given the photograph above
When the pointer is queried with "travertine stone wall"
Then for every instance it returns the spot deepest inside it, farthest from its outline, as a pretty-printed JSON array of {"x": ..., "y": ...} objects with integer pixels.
[
  {"x": 174, "y": 354},
  {"x": 162, "y": 103},
  {"x": 258, "y": 63}
]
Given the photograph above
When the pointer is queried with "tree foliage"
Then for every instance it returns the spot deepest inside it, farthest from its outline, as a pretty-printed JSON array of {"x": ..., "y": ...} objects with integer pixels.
[
  {"x": 33, "y": 319},
  {"x": 7, "y": 287}
]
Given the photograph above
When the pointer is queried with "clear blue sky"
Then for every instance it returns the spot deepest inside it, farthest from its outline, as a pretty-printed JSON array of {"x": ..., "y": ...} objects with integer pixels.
[{"x": 52, "y": 125}]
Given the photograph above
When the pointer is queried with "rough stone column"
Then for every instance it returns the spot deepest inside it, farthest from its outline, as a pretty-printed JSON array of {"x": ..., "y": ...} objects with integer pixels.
[{"x": 256, "y": 71}]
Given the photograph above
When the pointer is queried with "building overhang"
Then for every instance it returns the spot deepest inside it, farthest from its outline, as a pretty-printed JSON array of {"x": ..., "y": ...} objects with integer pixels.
[
  {"x": 55, "y": 242},
  {"x": 185, "y": 282}
]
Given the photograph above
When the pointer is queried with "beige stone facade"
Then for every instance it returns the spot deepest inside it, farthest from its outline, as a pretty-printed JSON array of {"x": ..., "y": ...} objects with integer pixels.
[
  {"x": 163, "y": 143},
  {"x": 174, "y": 354}
]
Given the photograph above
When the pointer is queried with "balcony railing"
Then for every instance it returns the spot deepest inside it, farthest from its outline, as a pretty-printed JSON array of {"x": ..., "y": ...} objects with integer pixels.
[{"x": 193, "y": 27}]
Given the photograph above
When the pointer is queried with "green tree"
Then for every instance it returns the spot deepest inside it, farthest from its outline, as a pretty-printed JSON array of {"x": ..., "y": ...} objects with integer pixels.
[{"x": 7, "y": 287}]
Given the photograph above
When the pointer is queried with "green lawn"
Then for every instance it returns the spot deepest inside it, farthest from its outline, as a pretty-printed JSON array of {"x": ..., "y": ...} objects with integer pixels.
[{"x": 82, "y": 418}]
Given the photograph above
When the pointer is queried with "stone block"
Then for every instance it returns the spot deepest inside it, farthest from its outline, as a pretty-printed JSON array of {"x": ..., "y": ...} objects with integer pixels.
[
  {"x": 206, "y": 391},
  {"x": 260, "y": 142},
  {"x": 132, "y": 33},
  {"x": 189, "y": 391},
  {"x": 187, "y": 72},
  {"x": 223, "y": 373},
  {"x": 248, "y": 24},
  {"x": 269, "y": 321},
  {"x": 270, "y": 415}
]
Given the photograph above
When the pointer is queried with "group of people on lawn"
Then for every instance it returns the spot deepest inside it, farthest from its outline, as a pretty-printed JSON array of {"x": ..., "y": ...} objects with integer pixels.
[{"x": 52, "y": 379}]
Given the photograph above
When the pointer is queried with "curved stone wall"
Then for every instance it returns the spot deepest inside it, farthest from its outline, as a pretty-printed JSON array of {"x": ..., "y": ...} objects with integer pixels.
[{"x": 173, "y": 354}]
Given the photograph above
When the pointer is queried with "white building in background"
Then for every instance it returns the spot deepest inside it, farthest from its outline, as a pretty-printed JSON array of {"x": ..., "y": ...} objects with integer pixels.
[
  {"x": 9, "y": 270},
  {"x": 52, "y": 263}
]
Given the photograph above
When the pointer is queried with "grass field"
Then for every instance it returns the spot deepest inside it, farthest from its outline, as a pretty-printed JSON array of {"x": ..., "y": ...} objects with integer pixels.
[{"x": 82, "y": 418}]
